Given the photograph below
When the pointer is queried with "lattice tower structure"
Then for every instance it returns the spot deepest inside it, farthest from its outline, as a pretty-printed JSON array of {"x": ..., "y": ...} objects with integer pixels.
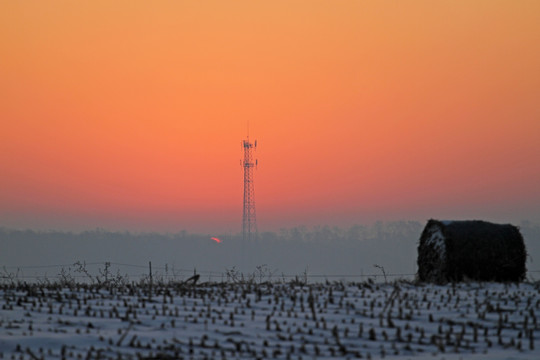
[{"x": 249, "y": 219}]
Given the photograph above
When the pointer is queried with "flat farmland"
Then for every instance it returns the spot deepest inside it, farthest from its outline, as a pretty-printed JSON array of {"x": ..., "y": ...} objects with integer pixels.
[{"x": 295, "y": 320}]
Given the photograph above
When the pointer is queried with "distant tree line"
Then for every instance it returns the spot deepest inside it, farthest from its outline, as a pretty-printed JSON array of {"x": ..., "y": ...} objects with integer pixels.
[{"x": 318, "y": 250}]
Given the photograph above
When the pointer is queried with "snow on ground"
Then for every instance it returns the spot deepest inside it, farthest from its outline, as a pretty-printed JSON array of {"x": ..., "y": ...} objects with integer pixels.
[{"x": 283, "y": 321}]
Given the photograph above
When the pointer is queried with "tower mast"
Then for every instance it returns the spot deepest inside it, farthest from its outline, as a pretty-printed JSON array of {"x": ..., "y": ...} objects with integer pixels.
[{"x": 249, "y": 220}]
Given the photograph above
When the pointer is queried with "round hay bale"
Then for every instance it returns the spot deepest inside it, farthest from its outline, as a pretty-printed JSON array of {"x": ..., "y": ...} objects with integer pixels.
[{"x": 470, "y": 250}]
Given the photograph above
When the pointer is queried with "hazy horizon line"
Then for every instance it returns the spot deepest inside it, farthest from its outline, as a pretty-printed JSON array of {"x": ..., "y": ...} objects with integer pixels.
[{"x": 309, "y": 228}]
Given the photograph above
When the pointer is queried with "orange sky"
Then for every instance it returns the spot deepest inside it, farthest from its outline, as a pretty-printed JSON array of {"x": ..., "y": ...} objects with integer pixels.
[{"x": 129, "y": 114}]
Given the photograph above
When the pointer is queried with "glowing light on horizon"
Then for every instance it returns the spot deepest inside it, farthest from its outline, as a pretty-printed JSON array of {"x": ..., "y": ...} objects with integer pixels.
[{"x": 216, "y": 240}]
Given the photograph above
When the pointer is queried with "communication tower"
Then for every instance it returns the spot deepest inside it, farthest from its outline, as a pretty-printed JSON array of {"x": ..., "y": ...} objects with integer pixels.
[{"x": 249, "y": 220}]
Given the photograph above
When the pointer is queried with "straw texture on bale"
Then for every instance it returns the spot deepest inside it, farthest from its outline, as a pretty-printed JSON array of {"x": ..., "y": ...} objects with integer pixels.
[{"x": 452, "y": 251}]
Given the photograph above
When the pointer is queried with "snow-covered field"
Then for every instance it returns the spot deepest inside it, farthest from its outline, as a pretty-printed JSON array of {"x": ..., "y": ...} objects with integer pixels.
[{"x": 283, "y": 321}]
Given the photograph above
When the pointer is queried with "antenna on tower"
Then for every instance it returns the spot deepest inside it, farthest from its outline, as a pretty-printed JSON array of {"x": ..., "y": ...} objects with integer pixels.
[{"x": 249, "y": 221}]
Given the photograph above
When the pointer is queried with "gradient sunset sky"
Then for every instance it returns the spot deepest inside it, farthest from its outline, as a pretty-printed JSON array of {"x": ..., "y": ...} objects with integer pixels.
[{"x": 129, "y": 115}]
